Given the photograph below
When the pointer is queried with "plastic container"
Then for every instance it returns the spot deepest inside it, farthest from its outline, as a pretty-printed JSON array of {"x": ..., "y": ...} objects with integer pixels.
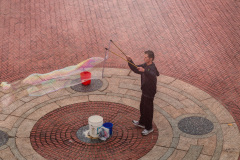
[
  {"x": 109, "y": 126},
  {"x": 95, "y": 122},
  {"x": 85, "y": 78}
]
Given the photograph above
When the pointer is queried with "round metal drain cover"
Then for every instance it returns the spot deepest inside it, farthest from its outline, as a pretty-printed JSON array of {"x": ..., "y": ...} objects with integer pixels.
[
  {"x": 3, "y": 138},
  {"x": 94, "y": 85},
  {"x": 195, "y": 125},
  {"x": 83, "y": 135}
]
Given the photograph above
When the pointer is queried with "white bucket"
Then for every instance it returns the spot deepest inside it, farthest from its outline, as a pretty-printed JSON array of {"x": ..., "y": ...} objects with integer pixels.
[{"x": 94, "y": 123}]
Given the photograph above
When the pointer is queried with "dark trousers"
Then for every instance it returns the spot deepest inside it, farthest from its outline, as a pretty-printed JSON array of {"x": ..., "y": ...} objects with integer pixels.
[{"x": 146, "y": 111}]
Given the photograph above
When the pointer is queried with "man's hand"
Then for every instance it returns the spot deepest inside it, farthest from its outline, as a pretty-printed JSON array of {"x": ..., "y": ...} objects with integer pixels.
[
  {"x": 141, "y": 69},
  {"x": 128, "y": 58}
]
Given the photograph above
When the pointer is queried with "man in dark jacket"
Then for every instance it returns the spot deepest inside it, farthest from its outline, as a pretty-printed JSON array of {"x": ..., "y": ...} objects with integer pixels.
[{"x": 149, "y": 75}]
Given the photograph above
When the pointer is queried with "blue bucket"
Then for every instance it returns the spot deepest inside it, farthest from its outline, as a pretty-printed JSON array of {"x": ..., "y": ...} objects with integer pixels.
[{"x": 109, "y": 126}]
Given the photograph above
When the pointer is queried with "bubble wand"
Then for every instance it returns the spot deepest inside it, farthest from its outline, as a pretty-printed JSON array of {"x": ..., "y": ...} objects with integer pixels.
[
  {"x": 118, "y": 48},
  {"x": 122, "y": 58}
]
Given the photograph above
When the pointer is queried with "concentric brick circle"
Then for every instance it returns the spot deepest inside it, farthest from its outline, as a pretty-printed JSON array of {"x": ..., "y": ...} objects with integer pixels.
[{"x": 54, "y": 135}]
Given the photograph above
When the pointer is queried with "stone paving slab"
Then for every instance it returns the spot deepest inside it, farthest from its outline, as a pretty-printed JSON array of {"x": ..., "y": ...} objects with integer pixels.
[
  {"x": 171, "y": 93},
  {"x": 232, "y": 135},
  {"x": 193, "y": 153},
  {"x": 173, "y": 112},
  {"x": 177, "y": 154},
  {"x": 7, "y": 154},
  {"x": 221, "y": 143},
  {"x": 37, "y": 114},
  {"x": 59, "y": 93},
  {"x": 25, "y": 128},
  {"x": 204, "y": 157},
  {"x": 8, "y": 122},
  {"x": 10, "y": 108},
  {"x": 194, "y": 91},
  {"x": 208, "y": 145},
  {"x": 166, "y": 79},
  {"x": 3, "y": 116},
  {"x": 219, "y": 110},
  {"x": 185, "y": 143},
  {"x": 130, "y": 102},
  {"x": 35, "y": 156},
  {"x": 156, "y": 152},
  {"x": 25, "y": 147},
  {"x": 25, "y": 107},
  {"x": 72, "y": 100}
]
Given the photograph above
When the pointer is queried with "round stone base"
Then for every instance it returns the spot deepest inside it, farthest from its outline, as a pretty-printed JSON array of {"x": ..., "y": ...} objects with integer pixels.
[{"x": 93, "y": 86}]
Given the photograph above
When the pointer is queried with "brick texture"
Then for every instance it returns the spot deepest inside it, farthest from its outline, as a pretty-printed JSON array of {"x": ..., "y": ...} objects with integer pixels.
[
  {"x": 195, "y": 41},
  {"x": 54, "y": 135}
]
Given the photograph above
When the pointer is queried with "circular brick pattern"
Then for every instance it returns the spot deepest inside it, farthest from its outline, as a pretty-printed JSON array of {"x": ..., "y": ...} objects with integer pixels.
[
  {"x": 94, "y": 85},
  {"x": 54, "y": 135},
  {"x": 195, "y": 125},
  {"x": 3, "y": 138}
]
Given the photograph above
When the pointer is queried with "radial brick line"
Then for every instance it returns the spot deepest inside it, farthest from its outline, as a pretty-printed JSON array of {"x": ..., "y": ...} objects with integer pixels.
[{"x": 54, "y": 136}]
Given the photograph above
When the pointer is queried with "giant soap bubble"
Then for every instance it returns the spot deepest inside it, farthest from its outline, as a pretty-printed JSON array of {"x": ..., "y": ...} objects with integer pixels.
[
  {"x": 41, "y": 84},
  {"x": 62, "y": 78}
]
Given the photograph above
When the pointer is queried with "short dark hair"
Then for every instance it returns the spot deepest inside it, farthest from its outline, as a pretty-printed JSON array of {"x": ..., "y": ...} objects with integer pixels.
[{"x": 150, "y": 54}]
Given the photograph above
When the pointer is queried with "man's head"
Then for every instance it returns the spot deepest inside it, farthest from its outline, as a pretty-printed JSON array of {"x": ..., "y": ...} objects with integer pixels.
[{"x": 148, "y": 57}]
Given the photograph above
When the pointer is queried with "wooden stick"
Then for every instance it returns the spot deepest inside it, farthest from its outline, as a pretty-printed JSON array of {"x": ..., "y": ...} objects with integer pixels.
[
  {"x": 118, "y": 47},
  {"x": 122, "y": 58}
]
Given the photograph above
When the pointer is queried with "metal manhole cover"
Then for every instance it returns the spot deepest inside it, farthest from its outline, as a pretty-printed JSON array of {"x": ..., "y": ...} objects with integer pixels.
[
  {"x": 94, "y": 85},
  {"x": 83, "y": 135},
  {"x": 3, "y": 138},
  {"x": 195, "y": 125}
]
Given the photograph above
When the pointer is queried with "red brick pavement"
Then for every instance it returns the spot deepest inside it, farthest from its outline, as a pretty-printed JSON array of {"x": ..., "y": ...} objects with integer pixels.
[{"x": 195, "y": 41}]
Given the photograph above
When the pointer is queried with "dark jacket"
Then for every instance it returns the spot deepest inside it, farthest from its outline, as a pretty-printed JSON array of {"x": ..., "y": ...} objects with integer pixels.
[{"x": 148, "y": 78}]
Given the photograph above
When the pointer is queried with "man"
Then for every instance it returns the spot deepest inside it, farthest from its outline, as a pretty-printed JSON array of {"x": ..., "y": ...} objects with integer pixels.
[{"x": 149, "y": 75}]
